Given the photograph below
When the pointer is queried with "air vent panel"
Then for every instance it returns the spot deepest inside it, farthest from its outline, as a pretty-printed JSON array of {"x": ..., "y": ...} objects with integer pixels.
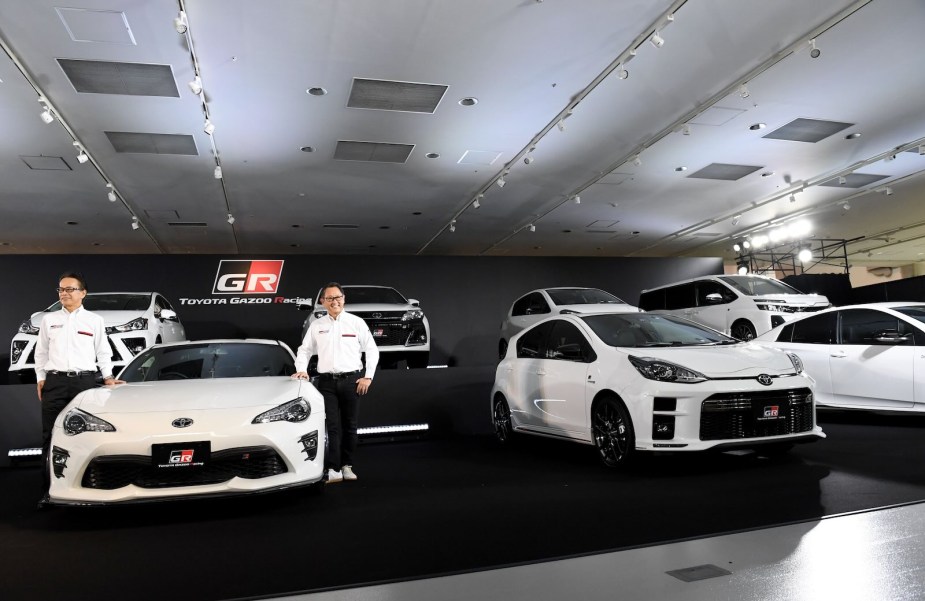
[
  {"x": 145, "y": 143},
  {"x": 400, "y": 96},
  {"x": 376, "y": 152},
  {"x": 724, "y": 171},
  {"x": 807, "y": 130},
  {"x": 126, "y": 79}
]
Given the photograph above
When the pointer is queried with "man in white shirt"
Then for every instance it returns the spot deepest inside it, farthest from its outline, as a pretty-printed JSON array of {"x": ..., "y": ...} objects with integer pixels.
[
  {"x": 339, "y": 339},
  {"x": 71, "y": 348}
]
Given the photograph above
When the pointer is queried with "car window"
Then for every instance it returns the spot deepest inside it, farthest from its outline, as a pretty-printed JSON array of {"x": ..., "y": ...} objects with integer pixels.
[
  {"x": 652, "y": 330},
  {"x": 916, "y": 312},
  {"x": 652, "y": 300},
  {"x": 680, "y": 297},
  {"x": 582, "y": 296},
  {"x": 707, "y": 287},
  {"x": 520, "y": 306},
  {"x": 818, "y": 329},
  {"x": 785, "y": 334},
  {"x": 369, "y": 294},
  {"x": 755, "y": 286},
  {"x": 535, "y": 304},
  {"x": 532, "y": 344},
  {"x": 566, "y": 343},
  {"x": 209, "y": 360},
  {"x": 871, "y": 327}
]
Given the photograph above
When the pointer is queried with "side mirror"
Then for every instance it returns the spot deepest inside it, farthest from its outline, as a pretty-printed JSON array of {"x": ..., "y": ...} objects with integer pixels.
[
  {"x": 714, "y": 298},
  {"x": 414, "y": 302},
  {"x": 168, "y": 315}
]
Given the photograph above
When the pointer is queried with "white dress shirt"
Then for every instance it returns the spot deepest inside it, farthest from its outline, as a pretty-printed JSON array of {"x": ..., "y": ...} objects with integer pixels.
[
  {"x": 72, "y": 341},
  {"x": 338, "y": 344}
]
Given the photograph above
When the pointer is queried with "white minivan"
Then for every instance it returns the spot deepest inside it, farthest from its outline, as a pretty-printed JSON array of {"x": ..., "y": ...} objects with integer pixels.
[{"x": 741, "y": 306}]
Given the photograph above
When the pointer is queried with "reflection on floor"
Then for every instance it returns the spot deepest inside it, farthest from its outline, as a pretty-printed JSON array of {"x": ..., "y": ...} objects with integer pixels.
[{"x": 865, "y": 556}]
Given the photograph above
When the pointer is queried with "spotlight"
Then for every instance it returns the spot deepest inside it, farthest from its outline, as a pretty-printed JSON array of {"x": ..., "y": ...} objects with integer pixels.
[
  {"x": 735, "y": 219},
  {"x": 230, "y": 219},
  {"x": 195, "y": 86},
  {"x": 475, "y": 203},
  {"x": 46, "y": 115},
  {"x": 111, "y": 195},
  {"x": 686, "y": 130},
  {"x": 842, "y": 180},
  {"x": 815, "y": 52},
  {"x": 793, "y": 197},
  {"x": 561, "y": 125},
  {"x": 743, "y": 91},
  {"x": 81, "y": 155},
  {"x": 637, "y": 160},
  {"x": 529, "y": 158},
  {"x": 921, "y": 149},
  {"x": 218, "y": 172},
  {"x": 888, "y": 191},
  {"x": 742, "y": 267},
  {"x": 531, "y": 227},
  {"x": 180, "y": 23},
  {"x": 746, "y": 244},
  {"x": 736, "y": 247},
  {"x": 500, "y": 181},
  {"x": 657, "y": 40},
  {"x": 805, "y": 255},
  {"x": 208, "y": 127},
  {"x": 576, "y": 199},
  {"x": 135, "y": 225},
  {"x": 846, "y": 207},
  {"x": 453, "y": 226},
  {"x": 622, "y": 73}
]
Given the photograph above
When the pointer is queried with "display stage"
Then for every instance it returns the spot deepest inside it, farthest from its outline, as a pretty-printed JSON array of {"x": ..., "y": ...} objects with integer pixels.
[{"x": 438, "y": 505}]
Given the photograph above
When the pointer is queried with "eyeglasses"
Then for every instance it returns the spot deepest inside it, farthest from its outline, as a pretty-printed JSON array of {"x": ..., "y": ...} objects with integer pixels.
[
  {"x": 68, "y": 290},
  {"x": 331, "y": 299}
]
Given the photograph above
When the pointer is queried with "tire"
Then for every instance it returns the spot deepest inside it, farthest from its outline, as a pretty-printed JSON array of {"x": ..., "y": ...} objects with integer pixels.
[
  {"x": 743, "y": 330},
  {"x": 418, "y": 360},
  {"x": 612, "y": 431},
  {"x": 502, "y": 349},
  {"x": 501, "y": 419}
]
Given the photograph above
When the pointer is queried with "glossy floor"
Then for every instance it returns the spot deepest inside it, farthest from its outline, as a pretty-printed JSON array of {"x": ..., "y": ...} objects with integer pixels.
[{"x": 864, "y": 556}]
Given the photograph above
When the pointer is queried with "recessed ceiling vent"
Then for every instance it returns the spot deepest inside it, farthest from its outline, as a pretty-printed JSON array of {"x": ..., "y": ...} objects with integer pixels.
[
  {"x": 395, "y": 95},
  {"x": 340, "y": 226},
  {"x": 808, "y": 130},
  {"x": 46, "y": 163},
  {"x": 187, "y": 224},
  {"x": 144, "y": 143},
  {"x": 855, "y": 180},
  {"x": 723, "y": 171},
  {"x": 128, "y": 79},
  {"x": 376, "y": 152}
]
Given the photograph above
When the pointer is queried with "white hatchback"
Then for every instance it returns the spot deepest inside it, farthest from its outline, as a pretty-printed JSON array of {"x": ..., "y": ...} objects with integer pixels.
[
  {"x": 861, "y": 356},
  {"x": 134, "y": 321},
  {"x": 627, "y": 382}
]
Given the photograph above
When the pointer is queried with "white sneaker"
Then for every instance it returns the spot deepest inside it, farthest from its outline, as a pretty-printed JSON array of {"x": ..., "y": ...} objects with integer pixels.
[
  {"x": 335, "y": 476},
  {"x": 348, "y": 473}
]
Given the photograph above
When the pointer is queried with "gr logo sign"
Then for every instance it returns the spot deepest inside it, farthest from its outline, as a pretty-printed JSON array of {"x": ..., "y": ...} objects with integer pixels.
[{"x": 247, "y": 277}]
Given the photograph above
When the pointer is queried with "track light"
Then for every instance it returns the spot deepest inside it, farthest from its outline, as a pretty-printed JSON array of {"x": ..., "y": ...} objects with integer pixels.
[
  {"x": 846, "y": 207},
  {"x": 842, "y": 180},
  {"x": 686, "y": 130},
  {"x": 111, "y": 195},
  {"x": 453, "y": 226},
  {"x": 888, "y": 191},
  {"x": 475, "y": 203},
  {"x": 531, "y": 227},
  {"x": 637, "y": 160},
  {"x": 743, "y": 91},
  {"x": 529, "y": 158},
  {"x": 218, "y": 172},
  {"x": 195, "y": 86},
  {"x": 46, "y": 115},
  {"x": 735, "y": 219},
  {"x": 180, "y": 23},
  {"x": 793, "y": 197},
  {"x": 815, "y": 52},
  {"x": 500, "y": 181},
  {"x": 657, "y": 40},
  {"x": 576, "y": 199},
  {"x": 208, "y": 127},
  {"x": 230, "y": 219},
  {"x": 82, "y": 156},
  {"x": 622, "y": 73},
  {"x": 135, "y": 225}
]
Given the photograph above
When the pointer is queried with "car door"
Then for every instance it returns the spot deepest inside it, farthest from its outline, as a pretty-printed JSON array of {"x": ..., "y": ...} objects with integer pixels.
[
  {"x": 171, "y": 328},
  {"x": 526, "y": 372},
  {"x": 872, "y": 366},
  {"x": 812, "y": 339},
  {"x": 712, "y": 308},
  {"x": 563, "y": 381}
]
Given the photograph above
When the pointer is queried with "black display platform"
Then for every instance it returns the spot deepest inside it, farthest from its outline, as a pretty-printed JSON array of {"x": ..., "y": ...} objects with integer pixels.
[{"x": 443, "y": 505}]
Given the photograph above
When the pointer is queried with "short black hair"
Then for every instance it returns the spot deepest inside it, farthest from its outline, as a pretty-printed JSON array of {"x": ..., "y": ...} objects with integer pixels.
[
  {"x": 75, "y": 275},
  {"x": 332, "y": 285}
]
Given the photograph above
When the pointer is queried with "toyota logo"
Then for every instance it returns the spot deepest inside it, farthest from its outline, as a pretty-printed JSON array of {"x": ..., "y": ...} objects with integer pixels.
[
  {"x": 182, "y": 422},
  {"x": 377, "y": 315},
  {"x": 764, "y": 380}
]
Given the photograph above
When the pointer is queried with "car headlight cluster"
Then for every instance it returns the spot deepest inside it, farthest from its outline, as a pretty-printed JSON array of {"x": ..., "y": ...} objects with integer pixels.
[
  {"x": 296, "y": 410},
  {"x": 77, "y": 421},
  {"x": 26, "y": 327},
  {"x": 776, "y": 307},
  {"x": 411, "y": 314},
  {"x": 136, "y": 324},
  {"x": 664, "y": 371},
  {"x": 797, "y": 362}
]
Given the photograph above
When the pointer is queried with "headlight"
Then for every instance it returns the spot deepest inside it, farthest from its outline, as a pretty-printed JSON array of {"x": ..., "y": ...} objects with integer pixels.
[
  {"x": 663, "y": 371},
  {"x": 797, "y": 363},
  {"x": 136, "y": 324},
  {"x": 296, "y": 410},
  {"x": 413, "y": 314},
  {"x": 77, "y": 421},
  {"x": 26, "y": 327}
]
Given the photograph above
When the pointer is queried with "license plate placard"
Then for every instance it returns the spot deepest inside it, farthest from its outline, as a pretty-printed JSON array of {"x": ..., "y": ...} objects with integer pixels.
[
  {"x": 379, "y": 332},
  {"x": 181, "y": 455}
]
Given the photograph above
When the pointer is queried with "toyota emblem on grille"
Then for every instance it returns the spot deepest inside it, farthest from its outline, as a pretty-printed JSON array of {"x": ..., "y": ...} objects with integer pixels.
[
  {"x": 764, "y": 380},
  {"x": 182, "y": 422},
  {"x": 377, "y": 315}
]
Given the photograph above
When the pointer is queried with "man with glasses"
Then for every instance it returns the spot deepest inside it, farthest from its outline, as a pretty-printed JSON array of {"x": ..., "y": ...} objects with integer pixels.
[
  {"x": 339, "y": 339},
  {"x": 71, "y": 348}
]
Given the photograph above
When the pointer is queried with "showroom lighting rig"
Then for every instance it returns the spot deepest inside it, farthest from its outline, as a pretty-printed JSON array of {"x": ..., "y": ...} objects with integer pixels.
[{"x": 794, "y": 257}]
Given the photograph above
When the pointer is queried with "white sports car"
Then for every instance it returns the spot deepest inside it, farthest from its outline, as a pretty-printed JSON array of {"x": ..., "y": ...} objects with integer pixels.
[
  {"x": 638, "y": 381},
  {"x": 210, "y": 417}
]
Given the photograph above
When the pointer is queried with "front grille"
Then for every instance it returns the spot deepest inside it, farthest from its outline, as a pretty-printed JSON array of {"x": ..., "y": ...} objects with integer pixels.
[
  {"x": 392, "y": 333},
  {"x": 809, "y": 309},
  {"x": 381, "y": 316},
  {"x": 727, "y": 416},
  {"x": 116, "y": 471}
]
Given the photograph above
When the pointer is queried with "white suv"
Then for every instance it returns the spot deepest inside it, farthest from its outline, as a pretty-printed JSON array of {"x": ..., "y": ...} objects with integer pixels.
[
  {"x": 134, "y": 321},
  {"x": 398, "y": 325}
]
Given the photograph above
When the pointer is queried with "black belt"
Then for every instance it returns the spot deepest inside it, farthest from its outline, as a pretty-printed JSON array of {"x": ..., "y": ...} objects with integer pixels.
[
  {"x": 71, "y": 373},
  {"x": 340, "y": 376}
]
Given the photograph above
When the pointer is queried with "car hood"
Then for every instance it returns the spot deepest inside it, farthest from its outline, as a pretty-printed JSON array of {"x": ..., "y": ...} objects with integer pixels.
[
  {"x": 110, "y": 318},
  {"x": 743, "y": 360},
  {"x": 796, "y": 300},
  {"x": 600, "y": 308},
  {"x": 186, "y": 395},
  {"x": 367, "y": 307}
]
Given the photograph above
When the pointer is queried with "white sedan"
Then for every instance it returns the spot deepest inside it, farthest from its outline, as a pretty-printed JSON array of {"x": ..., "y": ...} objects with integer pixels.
[
  {"x": 212, "y": 417},
  {"x": 861, "y": 356},
  {"x": 627, "y": 382}
]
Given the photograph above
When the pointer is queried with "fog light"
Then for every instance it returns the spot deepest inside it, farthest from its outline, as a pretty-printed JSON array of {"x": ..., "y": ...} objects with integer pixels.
[
  {"x": 59, "y": 459},
  {"x": 18, "y": 347},
  {"x": 662, "y": 427},
  {"x": 135, "y": 345},
  {"x": 776, "y": 320},
  {"x": 310, "y": 445}
]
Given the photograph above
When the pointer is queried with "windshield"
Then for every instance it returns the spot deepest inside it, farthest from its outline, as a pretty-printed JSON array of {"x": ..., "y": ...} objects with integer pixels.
[
  {"x": 111, "y": 302},
  {"x": 582, "y": 296},
  {"x": 650, "y": 330},
  {"x": 370, "y": 294},
  {"x": 755, "y": 286},
  {"x": 209, "y": 360},
  {"x": 915, "y": 312}
]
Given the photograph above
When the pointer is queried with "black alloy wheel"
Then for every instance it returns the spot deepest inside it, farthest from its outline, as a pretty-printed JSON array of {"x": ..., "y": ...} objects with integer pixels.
[
  {"x": 743, "y": 330},
  {"x": 501, "y": 418},
  {"x": 612, "y": 430}
]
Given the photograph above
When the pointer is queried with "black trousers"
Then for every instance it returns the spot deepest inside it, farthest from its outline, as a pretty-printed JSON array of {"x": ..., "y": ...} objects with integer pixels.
[
  {"x": 57, "y": 392},
  {"x": 341, "y": 408}
]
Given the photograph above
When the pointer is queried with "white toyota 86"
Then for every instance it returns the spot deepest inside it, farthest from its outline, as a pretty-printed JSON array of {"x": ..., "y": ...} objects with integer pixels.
[{"x": 203, "y": 418}]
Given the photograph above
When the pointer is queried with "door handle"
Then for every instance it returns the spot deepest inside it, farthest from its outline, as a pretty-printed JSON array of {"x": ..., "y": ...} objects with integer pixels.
[
  {"x": 541, "y": 372},
  {"x": 838, "y": 355}
]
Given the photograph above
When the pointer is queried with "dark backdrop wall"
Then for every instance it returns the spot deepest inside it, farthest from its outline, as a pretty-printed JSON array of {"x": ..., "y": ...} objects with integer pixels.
[{"x": 907, "y": 289}]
